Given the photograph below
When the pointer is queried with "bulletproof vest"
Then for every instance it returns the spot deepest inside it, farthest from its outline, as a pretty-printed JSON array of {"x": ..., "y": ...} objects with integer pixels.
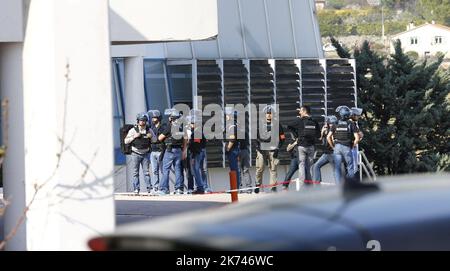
[
  {"x": 156, "y": 144},
  {"x": 342, "y": 134},
  {"x": 309, "y": 128},
  {"x": 175, "y": 139},
  {"x": 268, "y": 128},
  {"x": 142, "y": 142},
  {"x": 196, "y": 144}
]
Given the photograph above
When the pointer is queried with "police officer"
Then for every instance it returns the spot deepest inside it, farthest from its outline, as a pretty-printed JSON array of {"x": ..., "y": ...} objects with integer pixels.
[
  {"x": 307, "y": 131},
  {"x": 342, "y": 138},
  {"x": 293, "y": 167},
  {"x": 355, "y": 115},
  {"x": 327, "y": 156},
  {"x": 232, "y": 148},
  {"x": 139, "y": 137},
  {"x": 196, "y": 142},
  {"x": 175, "y": 152},
  {"x": 244, "y": 163},
  {"x": 269, "y": 154},
  {"x": 157, "y": 147}
]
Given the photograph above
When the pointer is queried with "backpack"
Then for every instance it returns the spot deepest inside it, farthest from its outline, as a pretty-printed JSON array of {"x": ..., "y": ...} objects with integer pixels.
[{"x": 125, "y": 148}]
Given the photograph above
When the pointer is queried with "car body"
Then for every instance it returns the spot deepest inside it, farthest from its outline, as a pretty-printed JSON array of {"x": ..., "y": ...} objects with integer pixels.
[{"x": 410, "y": 212}]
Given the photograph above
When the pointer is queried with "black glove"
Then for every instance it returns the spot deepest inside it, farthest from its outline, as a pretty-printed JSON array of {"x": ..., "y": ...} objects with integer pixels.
[{"x": 275, "y": 154}]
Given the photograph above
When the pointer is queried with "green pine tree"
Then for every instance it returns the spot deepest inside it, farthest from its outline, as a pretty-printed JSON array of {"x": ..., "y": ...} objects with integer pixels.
[{"x": 406, "y": 111}]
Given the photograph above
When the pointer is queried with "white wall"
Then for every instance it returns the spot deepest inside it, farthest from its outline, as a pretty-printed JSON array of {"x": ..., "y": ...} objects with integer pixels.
[
  {"x": 156, "y": 20},
  {"x": 425, "y": 40},
  {"x": 248, "y": 29},
  {"x": 67, "y": 114}
]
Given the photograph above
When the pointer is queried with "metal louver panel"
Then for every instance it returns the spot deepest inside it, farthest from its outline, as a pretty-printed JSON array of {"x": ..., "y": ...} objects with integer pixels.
[{"x": 209, "y": 86}]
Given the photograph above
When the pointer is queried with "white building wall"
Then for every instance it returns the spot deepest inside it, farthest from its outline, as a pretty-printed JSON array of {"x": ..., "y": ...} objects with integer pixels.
[
  {"x": 249, "y": 29},
  {"x": 425, "y": 40},
  {"x": 156, "y": 20}
]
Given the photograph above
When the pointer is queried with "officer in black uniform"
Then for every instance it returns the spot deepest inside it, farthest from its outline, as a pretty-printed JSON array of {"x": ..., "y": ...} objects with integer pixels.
[
  {"x": 307, "y": 131},
  {"x": 244, "y": 162},
  {"x": 327, "y": 156},
  {"x": 196, "y": 143},
  {"x": 175, "y": 152},
  {"x": 342, "y": 138},
  {"x": 157, "y": 147},
  {"x": 232, "y": 148}
]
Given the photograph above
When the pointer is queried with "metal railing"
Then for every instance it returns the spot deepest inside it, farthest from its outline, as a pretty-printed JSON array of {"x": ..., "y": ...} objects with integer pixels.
[{"x": 366, "y": 166}]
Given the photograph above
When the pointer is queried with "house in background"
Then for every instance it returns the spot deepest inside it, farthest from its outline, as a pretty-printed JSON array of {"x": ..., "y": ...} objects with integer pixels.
[
  {"x": 427, "y": 39},
  {"x": 320, "y": 4}
]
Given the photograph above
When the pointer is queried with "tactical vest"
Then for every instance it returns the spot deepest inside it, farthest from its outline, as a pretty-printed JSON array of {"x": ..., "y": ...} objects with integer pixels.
[
  {"x": 196, "y": 144},
  {"x": 142, "y": 142},
  {"x": 268, "y": 128},
  {"x": 309, "y": 128},
  {"x": 175, "y": 139},
  {"x": 342, "y": 134},
  {"x": 156, "y": 144}
]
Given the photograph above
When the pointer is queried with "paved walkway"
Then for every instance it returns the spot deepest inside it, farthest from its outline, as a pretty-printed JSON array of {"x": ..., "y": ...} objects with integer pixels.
[
  {"x": 130, "y": 208},
  {"x": 135, "y": 208}
]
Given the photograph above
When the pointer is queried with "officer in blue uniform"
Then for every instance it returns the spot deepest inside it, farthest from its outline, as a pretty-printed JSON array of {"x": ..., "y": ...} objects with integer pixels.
[
  {"x": 342, "y": 138},
  {"x": 175, "y": 152}
]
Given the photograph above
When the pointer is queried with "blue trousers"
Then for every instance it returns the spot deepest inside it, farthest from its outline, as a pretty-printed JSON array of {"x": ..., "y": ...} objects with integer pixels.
[
  {"x": 138, "y": 160},
  {"x": 323, "y": 160},
  {"x": 172, "y": 158},
  {"x": 234, "y": 165},
  {"x": 195, "y": 165},
  {"x": 156, "y": 168},
  {"x": 343, "y": 153}
]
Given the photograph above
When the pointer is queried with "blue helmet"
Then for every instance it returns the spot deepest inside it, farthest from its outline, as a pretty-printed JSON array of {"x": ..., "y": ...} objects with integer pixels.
[
  {"x": 269, "y": 109},
  {"x": 331, "y": 119},
  {"x": 142, "y": 116},
  {"x": 344, "y": 111},
  {"x": 154, "y": 114},
  {"x": 172, "y": 113},
  {"x": 356, "y": 111}
]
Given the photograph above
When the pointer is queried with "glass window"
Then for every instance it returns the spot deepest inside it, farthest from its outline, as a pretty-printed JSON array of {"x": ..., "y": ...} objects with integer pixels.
[
  {"x": 118, "y": 107},
  {"x": 413, "y": 40},
  {"x": 438, "y": 40},
  {"x": 156, "y": 85},
  {"x": 180, "y": 82}
]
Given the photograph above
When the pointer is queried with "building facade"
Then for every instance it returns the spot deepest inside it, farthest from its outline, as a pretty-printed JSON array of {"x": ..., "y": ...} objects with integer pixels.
[{"x": 426, "y": 40}]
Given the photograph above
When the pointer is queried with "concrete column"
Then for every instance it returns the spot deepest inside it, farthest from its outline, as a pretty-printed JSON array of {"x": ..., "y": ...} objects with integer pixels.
[
  {"x": 11, "y": 88},
  {"x": 134, "y": 102},
  {"x": 64, "y": 143}
]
